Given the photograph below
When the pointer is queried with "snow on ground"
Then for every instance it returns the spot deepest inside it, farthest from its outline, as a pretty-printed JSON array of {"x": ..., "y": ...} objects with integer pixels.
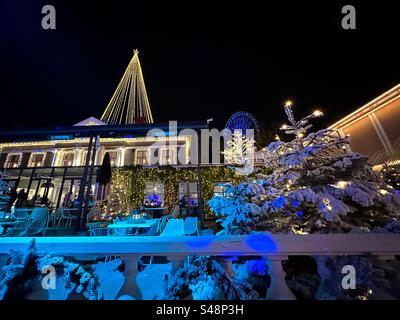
[{"x": 151, "y": 280}]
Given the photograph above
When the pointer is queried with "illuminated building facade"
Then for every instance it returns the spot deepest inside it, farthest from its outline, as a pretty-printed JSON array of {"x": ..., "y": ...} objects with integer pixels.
[
  {"x": 50, "y": 163},
  {"x": 374, "y": 129},
  {"x": 62, "y": 157}
]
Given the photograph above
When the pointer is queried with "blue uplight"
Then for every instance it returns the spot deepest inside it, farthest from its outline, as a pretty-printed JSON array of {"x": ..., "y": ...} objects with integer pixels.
[
  {"x": 262, "y": 243},
  {"x": 258, "y": 267},
  {"x": 279, "y": 202},
  {"x": 295, "y": 203},
  {"x": 199, "y": 242},
  {"x": 153, "y": 197},
  {"x": 299, "y": 214}
]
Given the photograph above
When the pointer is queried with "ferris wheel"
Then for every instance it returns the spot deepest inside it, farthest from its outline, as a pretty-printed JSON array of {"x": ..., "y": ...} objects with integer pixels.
[{"x": 242, "y": 121}]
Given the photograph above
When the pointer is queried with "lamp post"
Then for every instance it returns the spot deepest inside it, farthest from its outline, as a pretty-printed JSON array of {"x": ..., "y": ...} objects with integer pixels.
[{"x": 81, "y": 194}]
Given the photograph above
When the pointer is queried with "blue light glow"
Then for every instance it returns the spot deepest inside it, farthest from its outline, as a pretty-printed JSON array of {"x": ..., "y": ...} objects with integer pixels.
[
  {"x": 299, "y": 214},
  {"x": 202, "y": 243},
  {"x": 66, "y": 137},
  {"x": 279, "y": 202},
  {"x": 258, "y": 267},
  {"x": 295, "y": 203},
  {"x": 262, "y": 243}
]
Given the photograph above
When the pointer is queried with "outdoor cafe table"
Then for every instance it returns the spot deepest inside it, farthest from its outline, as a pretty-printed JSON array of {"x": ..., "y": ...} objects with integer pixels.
[
  {"x": 132, "y": 224},
  {"x": 6, "y": 224}
]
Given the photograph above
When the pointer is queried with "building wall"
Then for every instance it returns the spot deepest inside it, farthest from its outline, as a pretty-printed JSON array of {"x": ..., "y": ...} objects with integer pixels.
[
  {"x": 124, "y": 151},
  {"x": 374, "y": 129}
]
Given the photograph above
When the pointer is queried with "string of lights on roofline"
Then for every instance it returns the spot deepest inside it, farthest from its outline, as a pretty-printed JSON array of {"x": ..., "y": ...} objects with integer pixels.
[{"x": 316, "y": 114}]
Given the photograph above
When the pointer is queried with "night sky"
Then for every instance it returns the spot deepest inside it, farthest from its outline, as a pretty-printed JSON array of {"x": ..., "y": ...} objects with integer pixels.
[{"x": 198, "y": 61}]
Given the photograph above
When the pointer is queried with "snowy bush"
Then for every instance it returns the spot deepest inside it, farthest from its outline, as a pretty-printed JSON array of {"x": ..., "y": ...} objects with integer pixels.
[
  {"x": 239, "y": 210},
  {"x": 205, "y": 279},
  {"x": 375, "y": 278},
  {"x": 23, "y": 272}
]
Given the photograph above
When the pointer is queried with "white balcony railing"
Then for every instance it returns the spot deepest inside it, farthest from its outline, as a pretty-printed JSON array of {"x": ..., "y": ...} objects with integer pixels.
[{"x": 275, "y": 247}]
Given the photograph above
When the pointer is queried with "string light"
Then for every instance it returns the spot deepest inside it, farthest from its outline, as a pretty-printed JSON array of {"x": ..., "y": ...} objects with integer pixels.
[
  {"x": 284, "y": 127},
  {"x": 288, "y": 103},
  {"x": 317, "y": 113},
  {"x": 129, "y": 100},
  {"x": 341, "y": 184},
  {"x": 127, "y": 186}
]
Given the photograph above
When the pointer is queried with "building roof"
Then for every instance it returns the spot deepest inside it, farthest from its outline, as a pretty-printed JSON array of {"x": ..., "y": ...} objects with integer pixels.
[
  {"x": 104, "y": 131},
  {"x": 380, "y": 102}
]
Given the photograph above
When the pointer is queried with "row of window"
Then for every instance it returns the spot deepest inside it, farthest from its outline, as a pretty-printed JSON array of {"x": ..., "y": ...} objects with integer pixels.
[
  {"x": 13, "y": 160},
  {"x": 188, "y": 192}
]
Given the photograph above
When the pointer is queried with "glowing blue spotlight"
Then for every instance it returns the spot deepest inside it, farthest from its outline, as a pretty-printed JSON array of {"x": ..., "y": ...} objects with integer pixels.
[{"x": 262, "y": 243}]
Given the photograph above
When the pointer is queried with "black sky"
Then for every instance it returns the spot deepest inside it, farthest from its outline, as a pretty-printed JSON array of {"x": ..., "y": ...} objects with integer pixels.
[{"x": 198, "y": 61}]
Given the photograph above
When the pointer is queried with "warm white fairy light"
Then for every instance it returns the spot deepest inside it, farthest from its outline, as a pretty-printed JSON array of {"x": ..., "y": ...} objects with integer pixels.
[
  {"x": 288, "y": 103},
  {"x": 318, "y": 113},
  {"x": 341, "y": 184}
]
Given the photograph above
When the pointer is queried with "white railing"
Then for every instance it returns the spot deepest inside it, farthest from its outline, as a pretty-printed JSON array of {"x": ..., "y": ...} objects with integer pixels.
[{"x": 275, "y": 247}]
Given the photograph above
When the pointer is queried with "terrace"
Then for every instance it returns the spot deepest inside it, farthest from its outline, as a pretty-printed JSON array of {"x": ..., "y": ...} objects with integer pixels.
[{"x": 276, "y": 248}]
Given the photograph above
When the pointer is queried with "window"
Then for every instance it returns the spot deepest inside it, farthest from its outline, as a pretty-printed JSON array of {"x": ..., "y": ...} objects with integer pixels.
[
  {"x": 68, "y": 159},
  {"x": 113, "y": 158},
  {"x": 141, "y": 157},
  {"x": 168, "y": 156},
  {"x": 188, "y": 189},
  {"x": 219, "y": 188},
  {"x": 36, "y": 159},
  {"x": 154, "y": 193},
  {"x": 13, "y": 161}
]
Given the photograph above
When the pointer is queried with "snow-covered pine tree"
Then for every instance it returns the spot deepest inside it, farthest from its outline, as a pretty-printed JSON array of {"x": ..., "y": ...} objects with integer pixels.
[
  {"x": 317, "y": 185},
  {"x": 390, "y": 173},
  {"x": 322, "y": 186}
]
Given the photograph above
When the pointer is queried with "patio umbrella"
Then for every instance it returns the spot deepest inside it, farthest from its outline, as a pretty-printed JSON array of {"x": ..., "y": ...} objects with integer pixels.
[{"x": 104, "y": 174}]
